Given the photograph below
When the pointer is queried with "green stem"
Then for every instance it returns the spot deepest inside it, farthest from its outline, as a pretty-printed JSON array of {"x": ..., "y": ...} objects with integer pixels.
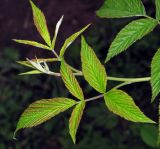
[
  {"x": 94, "y": 98},
  {"x": 118, "y": 86},
  {"x": 74, "y": 69},
  {"x": 144, "y": 79},
  {"x": 146, "y": 16}
]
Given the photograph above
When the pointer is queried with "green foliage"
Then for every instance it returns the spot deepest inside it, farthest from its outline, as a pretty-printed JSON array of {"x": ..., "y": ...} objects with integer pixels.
[
  {"x": 33, "y": 43},
  {"x": 155, "y": 75},
  {"x": 129, "y": 34},
  {"x": 43, "y": 110},
  {"x": 157, "y": 9},
  {"x": 123, "y": 105},
  {"x": 71, "y": 39},
  {"x": 70, "y": 81},
  {"x": 75, "y": 119},
  {"x": 93, "y": 71},
  {"x": 40, "y": 23},
  {"x": 121, "y": 8},
  {"x": 149, "y": 135}
]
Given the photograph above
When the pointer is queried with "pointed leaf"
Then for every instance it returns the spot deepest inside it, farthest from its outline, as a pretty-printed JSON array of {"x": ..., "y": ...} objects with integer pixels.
[
  {"x": 129, "y": 34},
  {"x": 75, "y": 119},
  {"x": 56, "y": 32},
  {"x": 31, "y": 72},
  {"x": 157, "y": 9},
  {"x": 121, "y": 8},
  {"x": 33, "y": 43},
  {"x": 94, "y": 72},
  {"x": 155, "y": 75},
  {"x": 40, "y": 23},
  {"x": 71, "y": 39},
  {"x": 70, "y": 81},
  {"x": 123, "y": 105},
  {"x": 43, "y": 110}
]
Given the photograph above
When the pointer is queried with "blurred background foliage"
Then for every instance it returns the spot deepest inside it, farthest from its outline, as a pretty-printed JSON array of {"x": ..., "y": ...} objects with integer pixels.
[{"x": 99, "y": 129}]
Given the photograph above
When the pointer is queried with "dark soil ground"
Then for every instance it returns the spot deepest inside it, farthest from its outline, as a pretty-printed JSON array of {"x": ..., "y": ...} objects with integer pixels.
[{"x": 16, "y": 18}]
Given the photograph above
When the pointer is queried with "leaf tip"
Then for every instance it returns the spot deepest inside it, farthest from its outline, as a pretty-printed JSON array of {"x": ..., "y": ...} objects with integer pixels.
[
  {"x": 15, "y": 40},
  {"x": 152, "y": 99},
  {"x": 73, "y": 139},
  {"x": 32, "y": 4}
]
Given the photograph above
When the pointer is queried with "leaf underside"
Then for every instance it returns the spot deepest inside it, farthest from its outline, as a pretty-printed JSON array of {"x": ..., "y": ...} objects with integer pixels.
[
  {"x": 94, "y": 72},
  {"x": 121, "y": 8},
  {"x": 70, "y": 81},
  {"x": 123, "y": 105},
  {"x": 40, "y": 60},
  {"x": 56, "y": 32},
  {"x": 155, "y": 75},
  {"x": 75, "y": 119},
  {"x": 43, "y": 110},
  {"x": 130, "y": 34}
]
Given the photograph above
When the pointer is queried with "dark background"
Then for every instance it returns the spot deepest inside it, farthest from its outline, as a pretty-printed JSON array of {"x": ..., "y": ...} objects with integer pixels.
[{"x": 99, "y": 129}]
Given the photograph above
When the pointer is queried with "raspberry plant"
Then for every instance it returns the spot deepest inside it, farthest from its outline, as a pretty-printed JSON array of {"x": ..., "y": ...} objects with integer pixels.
[{"x": 93, "y": 71}]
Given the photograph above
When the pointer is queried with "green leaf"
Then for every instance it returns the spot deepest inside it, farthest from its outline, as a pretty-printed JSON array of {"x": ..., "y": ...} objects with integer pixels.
[
  {"x": 158, "y": 140},
  {"x": 40, "y": 60},
  {"x": 157, "y": 9},
  {"x": 130, "y": 34},
  {"x": 149, "y": 134},
  {"x": 94, "y": 72},
  {"x": 43, "y": 110},
  {"x": 75, "y": 119},
  {"x": 155, "y": 75},
  {"x": 123, "y": 105},
  {"x": 33, "y": 43},
  {"x": 31, "y": 72},
  {"x": 40, "y": 23},
  {"x": 70, "y": 81},
  {"x": 71, "y": 39},
  {"x": 56, "y": 32},
  {"x": 121, "y": 8}
]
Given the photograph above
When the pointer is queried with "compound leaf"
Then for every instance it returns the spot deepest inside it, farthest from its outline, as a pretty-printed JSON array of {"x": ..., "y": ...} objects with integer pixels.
[
  {"x": 155, "y": 75},
  {"x": 70, "y": 81},
  {"x": 40, "y": 23},
  {"x": 71, "y": 39},
  {"x": 157, "y": 9},
  {"x": 43, "y": 110},
  {"x": 94, "y": 72},
  {"x": 121, "y": 8},
  {"x": 32, "y": 43},
  {"x": 123, "y": 105},
  {"x": 129, "y": 34},
  {"x": 75, "y": 119}
]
